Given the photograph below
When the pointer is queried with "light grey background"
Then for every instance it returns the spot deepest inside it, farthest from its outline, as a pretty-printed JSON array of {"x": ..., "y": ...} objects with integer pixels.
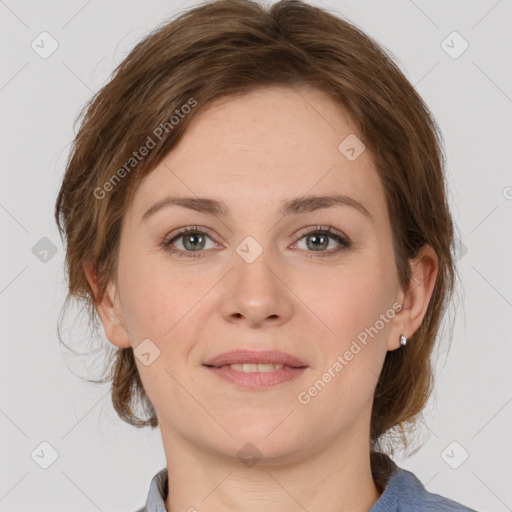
[{"x": 104, "y": 464}]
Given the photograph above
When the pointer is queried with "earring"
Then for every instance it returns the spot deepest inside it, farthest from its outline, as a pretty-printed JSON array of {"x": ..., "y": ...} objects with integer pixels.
[{"x": 403, "y": 340}]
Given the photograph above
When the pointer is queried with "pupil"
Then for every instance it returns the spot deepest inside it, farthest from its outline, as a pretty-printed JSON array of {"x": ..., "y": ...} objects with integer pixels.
[
  {"x": 192, "y": 237},
  {"x": 317, "y": 238}
]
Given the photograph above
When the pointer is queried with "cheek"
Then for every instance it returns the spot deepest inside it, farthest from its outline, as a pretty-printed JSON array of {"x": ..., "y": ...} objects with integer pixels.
[
  {"x": 351, "y": 305},
  {"x": 159, "y": 311},
  {"x": 155, "y": 299},
  {"x": 345, "y": 299}
]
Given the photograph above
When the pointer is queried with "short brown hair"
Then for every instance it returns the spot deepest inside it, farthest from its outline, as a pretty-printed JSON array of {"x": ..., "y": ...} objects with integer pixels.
[{"x": 230, "y": 47}]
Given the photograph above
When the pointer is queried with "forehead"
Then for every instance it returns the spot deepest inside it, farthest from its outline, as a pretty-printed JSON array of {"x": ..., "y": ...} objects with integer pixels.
[{"x": 267, "y": 145}]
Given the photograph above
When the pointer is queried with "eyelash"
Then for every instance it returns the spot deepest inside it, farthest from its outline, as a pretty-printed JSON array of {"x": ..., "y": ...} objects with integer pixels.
[{"x": 344, "y": 242}]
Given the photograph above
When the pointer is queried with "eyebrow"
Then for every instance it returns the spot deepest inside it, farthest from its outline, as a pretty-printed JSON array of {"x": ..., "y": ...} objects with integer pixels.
[{"x": 294, "y": 206}]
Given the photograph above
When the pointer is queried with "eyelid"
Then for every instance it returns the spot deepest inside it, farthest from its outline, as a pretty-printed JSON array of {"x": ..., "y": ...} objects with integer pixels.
[
  {"x": 188, "y": 229},
  {"x": 324, "y": 228}
]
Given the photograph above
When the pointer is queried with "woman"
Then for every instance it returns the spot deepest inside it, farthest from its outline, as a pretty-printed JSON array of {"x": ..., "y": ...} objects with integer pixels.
[{"x": 255, "y": 207}]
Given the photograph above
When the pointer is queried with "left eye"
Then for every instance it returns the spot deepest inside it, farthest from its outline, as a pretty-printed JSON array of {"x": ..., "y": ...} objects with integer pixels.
[
  {"x": 317, "y": 240},
  {"x": 194, "y": 240}
]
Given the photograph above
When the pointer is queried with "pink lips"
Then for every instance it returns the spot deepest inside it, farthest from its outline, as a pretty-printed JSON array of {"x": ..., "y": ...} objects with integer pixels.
[
  {"x": 255, "y": 357},
  {"x": 292, "y": 368}
]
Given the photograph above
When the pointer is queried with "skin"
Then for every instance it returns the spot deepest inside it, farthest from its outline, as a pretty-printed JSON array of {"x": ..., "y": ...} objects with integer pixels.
[{"x": 254, "y": 152}]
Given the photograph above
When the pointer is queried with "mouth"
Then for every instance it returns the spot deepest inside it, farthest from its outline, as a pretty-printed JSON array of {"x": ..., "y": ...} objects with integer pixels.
[
  {"x": 262, "y": 358},
  {"x": 253, "y": 368},
  {"x": 250, "y": 376},
  {"x": 256, "y": 370}
]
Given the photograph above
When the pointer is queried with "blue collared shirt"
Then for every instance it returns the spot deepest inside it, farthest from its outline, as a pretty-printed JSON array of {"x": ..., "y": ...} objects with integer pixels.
[{"x": 403, "y": 493}]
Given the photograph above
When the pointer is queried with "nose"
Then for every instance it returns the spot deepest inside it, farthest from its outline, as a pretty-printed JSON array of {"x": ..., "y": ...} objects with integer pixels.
[{"x": 257, "y": 293}]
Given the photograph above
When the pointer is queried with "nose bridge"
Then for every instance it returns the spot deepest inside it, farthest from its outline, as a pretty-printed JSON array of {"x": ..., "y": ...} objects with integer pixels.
[{"x": 257, "y": 290}]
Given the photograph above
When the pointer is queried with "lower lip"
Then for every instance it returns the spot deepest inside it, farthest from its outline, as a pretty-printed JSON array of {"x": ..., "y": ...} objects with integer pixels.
[{"x": 257, "y": 380}]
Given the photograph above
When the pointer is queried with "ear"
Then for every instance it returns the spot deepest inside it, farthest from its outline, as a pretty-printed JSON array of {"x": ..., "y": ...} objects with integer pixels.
[
  {"x": 109, "y": 312},
  {"x": 416, "y": 297}
]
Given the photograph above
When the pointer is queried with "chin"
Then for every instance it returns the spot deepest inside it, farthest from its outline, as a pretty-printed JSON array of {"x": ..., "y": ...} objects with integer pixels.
[{"x": 263, "y": 438}]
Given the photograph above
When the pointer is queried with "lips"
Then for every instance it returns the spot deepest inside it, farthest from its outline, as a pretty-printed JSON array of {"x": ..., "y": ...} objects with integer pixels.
[{"x": 255, "y": 357}]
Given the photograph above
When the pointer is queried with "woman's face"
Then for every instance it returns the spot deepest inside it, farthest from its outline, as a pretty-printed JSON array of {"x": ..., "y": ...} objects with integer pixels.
[{"x": 257, "y": 277}]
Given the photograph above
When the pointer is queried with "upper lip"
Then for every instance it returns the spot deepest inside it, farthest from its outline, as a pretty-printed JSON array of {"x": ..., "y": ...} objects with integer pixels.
[{"x": 255, "y": 357}]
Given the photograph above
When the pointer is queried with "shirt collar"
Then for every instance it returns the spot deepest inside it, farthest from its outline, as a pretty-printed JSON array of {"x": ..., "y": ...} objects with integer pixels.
[
  {"x": 399, "y": 488},
  {"x": 157, "y": 493}
]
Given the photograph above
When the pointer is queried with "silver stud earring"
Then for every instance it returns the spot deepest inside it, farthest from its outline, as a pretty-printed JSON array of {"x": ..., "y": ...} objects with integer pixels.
[{"x": 403, "y": 340}]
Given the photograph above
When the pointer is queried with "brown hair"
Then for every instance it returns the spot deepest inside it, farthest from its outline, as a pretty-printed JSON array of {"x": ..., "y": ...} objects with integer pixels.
[{"x": 230, "y": 47}]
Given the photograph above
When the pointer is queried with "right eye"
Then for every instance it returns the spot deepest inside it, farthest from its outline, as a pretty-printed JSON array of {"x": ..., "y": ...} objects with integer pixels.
[{"x": 193, "y": 241}]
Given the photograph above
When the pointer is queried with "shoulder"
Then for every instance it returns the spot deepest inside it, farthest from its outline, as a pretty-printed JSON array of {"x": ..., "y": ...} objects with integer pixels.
[
  {"x": 404, "y": 492},
  {"x": 157, "y": 493}
]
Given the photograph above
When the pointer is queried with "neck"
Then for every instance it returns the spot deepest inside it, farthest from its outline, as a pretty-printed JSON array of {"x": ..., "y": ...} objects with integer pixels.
[{"x": 335, "y": 479}]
